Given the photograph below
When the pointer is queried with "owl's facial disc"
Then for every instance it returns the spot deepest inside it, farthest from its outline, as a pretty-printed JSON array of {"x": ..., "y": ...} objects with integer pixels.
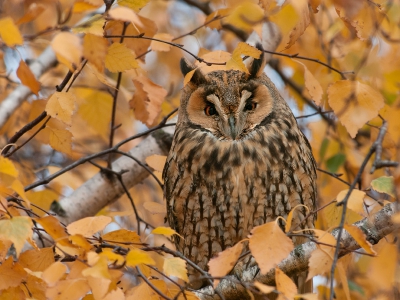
[{"x": 231, "y": 115}]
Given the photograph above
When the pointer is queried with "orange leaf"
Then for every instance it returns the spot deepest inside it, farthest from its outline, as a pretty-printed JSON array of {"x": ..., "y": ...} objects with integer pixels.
[
  {"x": 245, "y": 16},
  {"x": 10, "y": 33},
  {"x": 284, "y": 285},
  {"x": 301, "y": 6},
  {"x": 269, "y": 245},
  {"x": 60, "y": 140},
  {"x": 360, "y": 238},
  {"x": 146, "y": 102},
  {"x": 155, "y": 207},
  {"x": 68, "y": 48},
  {"x": 27, "y": 78},
  {"x": 312, "y": 85},
  {"x": 32, "y": 13},
  {"x": 53, "y": 227},
  {"x": 95, "y": 50},
  {"x": 355, "y": 201},
  {"x": 89, "y": 226},
  {"x": 223, "y": 263},
  {"x": 159, "y": 46},
  {"x": 37, "y": 260},
  {"x": 121, "y": 237},
  {"x": 61, "y": 106},
  {"x": 354, "y": 103},
  {"x": 157, "y": 162},
  {"x": 136, "y": 5},
  {"x": 265, "y": 289},
  {"x": 68, "y": 289},
  {"x": 125, "y": 14},
  {"x": 54, "y": 273},
  {"x": 11, "y": 274}
]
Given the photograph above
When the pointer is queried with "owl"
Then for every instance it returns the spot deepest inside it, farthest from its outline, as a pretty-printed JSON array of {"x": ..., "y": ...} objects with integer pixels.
[{"x": 238, "y": 160}]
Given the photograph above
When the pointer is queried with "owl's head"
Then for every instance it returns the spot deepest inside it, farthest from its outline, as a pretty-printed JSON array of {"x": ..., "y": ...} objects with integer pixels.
[{"x": 229, "y": 104}]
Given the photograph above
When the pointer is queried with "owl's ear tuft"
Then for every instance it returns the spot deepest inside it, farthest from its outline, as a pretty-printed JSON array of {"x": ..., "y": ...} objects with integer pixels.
[
  {"x": 257, "y": 66},
  {"x": 198, "y": 77}
]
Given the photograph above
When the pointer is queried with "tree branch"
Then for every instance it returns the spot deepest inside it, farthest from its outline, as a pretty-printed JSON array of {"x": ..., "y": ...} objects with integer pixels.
[{"x": 375, "y": 227}]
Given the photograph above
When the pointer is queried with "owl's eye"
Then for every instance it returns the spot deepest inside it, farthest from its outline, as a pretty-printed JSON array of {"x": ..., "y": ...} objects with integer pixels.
[
  {"x": 250, "y": 106},
  {"x": 210, "y": 110}
]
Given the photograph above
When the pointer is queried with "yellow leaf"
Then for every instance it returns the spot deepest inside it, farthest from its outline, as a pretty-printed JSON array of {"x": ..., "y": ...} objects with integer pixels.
[
  {"x": 384, "y": 184},
  {"x": 93, "y": 25},
  {"x": 307, "y": 296},
  {"x": 125, "y": 14},
  {"x": 155, "y": 208},
  {"x": 119, "y": 58},
  {"x": 7, "y": 167},
  {"x": 360, "y": 238},
  {"x": 112, "y": 257},
  {"x": 136, "y": 5},
  {"x": 99, "y": 270},
  {"x": 95, "y": 110},
  {"x": 146, "y": 102},
  {"x": 220, "y": 13},
  {"x": 354, "y": 103},
  {"x": 37, "y": 260},
  {"x": 89, "y": 226},
  {"x": 61, "y": 106},
  {"x": 17, "y": 230},
  {"x": 67, "y": 47},
  {"x": 301, "y": 6},
  {"x": 185, "y": 295},
  {"x": 18, "y": 187},
  {"x": 223, "y": 263},
  {"x": 95, "y": 50},
  {"x": 136, "y": 257},
  {"x": 122, "y": 237},
  {"x": 312, "y": 85},
  {"x": 269, "y": 245},
  {"x": 355, "y": 201},
  {"x": 11, "y": 274},
  {"x": 236, "y": 61},
  {"x": 166, "y": 231},
  {"x": 382, "y": 269},
  {"x": 159, "y": 46},
  {"x": 176, "y": 266},
  {"x": 157, "y": 162},
  {"x": 265, "y": 289},
  {"x": 10, "y": 33},
  {"x": 284, "y": 285},
  {"x": 54, "y": 273},
  {"x": 27, "y": 78},
  {"x": 60, "y": 140},
  {"x": 245, "y": 16},
  {"x": 81, "y": 7}
]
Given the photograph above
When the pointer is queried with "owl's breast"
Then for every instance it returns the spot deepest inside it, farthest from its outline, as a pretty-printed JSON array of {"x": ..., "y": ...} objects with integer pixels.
[{"x": 217, "y": 191}]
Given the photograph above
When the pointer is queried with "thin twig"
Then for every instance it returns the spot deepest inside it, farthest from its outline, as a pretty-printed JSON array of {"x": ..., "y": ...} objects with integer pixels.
[{"x": 154, "y": 288}]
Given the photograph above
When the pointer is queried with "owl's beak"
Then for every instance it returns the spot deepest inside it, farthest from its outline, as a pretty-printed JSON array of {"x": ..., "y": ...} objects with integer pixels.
[{"x": 233, "y": 129}]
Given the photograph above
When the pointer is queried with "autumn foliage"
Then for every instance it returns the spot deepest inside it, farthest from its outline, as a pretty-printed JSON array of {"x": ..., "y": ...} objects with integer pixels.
[{"x": 86, "y": 89}]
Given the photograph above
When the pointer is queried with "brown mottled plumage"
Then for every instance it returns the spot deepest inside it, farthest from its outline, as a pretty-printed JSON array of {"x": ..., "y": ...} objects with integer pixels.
[{"x": 238, "y": 160}]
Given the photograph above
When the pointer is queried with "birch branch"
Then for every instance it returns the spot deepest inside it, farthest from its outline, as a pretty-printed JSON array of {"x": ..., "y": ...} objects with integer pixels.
[
  {"x": 44, "y": 62},
  {"x": 375, "y": 227}
]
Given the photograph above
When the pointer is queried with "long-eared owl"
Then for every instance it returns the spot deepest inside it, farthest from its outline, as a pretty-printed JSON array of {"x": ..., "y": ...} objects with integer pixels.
[{"x": 238, "y": 160}]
